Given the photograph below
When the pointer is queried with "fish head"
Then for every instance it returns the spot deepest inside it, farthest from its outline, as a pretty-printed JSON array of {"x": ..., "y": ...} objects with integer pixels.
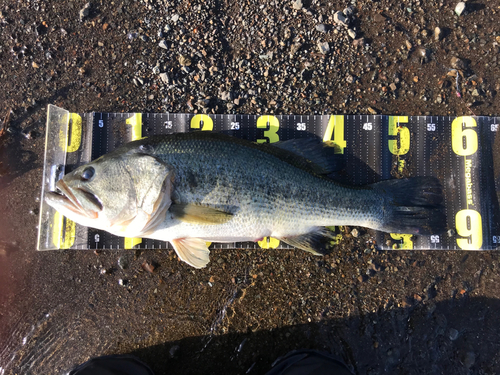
[{"x": 123, "y": 193}]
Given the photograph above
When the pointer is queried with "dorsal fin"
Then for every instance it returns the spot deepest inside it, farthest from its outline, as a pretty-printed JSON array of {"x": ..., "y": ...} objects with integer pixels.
[
  {"x": 309, "y": 154},
  {"x": 321, "y": 155}
]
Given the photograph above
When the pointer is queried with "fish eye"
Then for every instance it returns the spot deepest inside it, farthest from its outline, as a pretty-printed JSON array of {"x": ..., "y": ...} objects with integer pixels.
[{"x": 88, "y": 173}]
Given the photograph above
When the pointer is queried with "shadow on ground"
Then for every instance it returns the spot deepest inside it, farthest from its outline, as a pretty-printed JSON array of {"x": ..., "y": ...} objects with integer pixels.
[{"x": 441, "y": 338}]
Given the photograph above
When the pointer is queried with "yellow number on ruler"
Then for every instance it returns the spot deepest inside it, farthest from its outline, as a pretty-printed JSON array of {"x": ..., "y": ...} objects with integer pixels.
[
  {"x": 459, "y": 134},
  {"x": 336, "y": 128},
  {"x": 407, "y": 243},
  {"x": 135, "y": 121},
  {"x": 75, "y": 129},
  {"x": 404, "y": 146},
  {"x": 271, "y": 134},
  {"x": 130, "y": 242},
  {"x": 469, "y": 225},
  {"x": 208, "y": 123},
  {"x": 269, "y": 243},
  {"x": 63, "y": 232},
  {"x": 404, "y": 135}
]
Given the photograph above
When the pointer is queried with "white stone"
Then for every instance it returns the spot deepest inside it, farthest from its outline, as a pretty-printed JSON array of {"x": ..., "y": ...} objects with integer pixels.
[
  {"x": 324, "y": 47},
  {"x": 459, "y": 9},
  {"x": 340, "y": 19}
]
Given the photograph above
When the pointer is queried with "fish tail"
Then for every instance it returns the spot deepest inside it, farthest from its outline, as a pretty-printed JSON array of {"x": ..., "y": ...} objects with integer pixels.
[{"x": 413, "y": 206}]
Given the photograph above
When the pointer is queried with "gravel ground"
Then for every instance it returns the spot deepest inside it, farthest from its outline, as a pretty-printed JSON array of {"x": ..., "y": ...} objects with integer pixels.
[{"x": 382, "y": 312}]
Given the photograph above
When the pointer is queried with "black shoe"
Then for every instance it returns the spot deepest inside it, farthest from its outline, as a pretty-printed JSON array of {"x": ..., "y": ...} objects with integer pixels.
[
  {"x": 113, "y": 365},
  {"x": 308, "y": 362}
]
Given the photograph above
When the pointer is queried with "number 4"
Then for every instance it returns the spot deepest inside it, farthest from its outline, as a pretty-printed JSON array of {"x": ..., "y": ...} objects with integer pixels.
[{"x": 336, "y": 128}]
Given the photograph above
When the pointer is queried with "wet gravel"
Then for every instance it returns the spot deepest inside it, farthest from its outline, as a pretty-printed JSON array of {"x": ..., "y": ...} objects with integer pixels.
[{"x": 382, "y": 312}]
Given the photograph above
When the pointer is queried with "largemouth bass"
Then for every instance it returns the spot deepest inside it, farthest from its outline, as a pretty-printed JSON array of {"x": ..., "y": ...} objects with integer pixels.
[{"x": 190, "y": 188}]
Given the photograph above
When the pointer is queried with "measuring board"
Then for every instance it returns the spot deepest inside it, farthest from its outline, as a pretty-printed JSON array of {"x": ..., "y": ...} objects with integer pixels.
[{"x": 462, "y": 152}]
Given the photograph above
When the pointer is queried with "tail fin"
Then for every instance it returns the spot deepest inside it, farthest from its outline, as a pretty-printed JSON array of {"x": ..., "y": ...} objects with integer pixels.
[{"x": 414, "y": 206}]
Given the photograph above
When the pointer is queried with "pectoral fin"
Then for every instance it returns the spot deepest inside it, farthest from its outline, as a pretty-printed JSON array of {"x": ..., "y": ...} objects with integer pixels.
[
  {"x": 195, "y": 214},
  {"x": 314, "y": 242},
  {"x": 193, "y": 251}
]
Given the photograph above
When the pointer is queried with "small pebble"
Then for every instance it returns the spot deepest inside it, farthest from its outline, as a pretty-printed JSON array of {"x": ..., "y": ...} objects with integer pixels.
[
  {"x": 149, "y": 267},
  {"x": 437, "y": 34},
  {"x": 184, "y": 60},
  {"x": 324, "y": 47},
  {"x": 379, "y": 18},
  {"x": 164, "y": 78},
  {"x": 453, "y": 334},
  {"x": 355, "y": 233},
  {"x": 457, "y": 63},
  {"x": 85, "y": 11},
  {"x": 163, "y": 44},
  {"x": 349, "y": 11},
  {"x": 297, "y": 4},
  {"x": 459, "y": 9},
  {"x": 294, "y": 48},
  {"x": 123, "y": 262},
  {"x": 340, "y": 19},
  {"x": 358, "y": 42},
  {"x": 322, "y": 28}
]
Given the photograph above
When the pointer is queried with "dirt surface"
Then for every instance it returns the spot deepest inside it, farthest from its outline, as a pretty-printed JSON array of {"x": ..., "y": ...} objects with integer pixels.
[{"x": 403, "y": 312}]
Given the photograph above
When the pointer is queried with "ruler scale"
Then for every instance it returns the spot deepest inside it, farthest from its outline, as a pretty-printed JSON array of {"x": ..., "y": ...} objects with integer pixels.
[{"x": 462, "y": 152}]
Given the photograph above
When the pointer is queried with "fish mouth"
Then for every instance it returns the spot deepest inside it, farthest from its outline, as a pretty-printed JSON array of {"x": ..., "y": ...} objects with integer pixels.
[{"x": 65, "y": 197}]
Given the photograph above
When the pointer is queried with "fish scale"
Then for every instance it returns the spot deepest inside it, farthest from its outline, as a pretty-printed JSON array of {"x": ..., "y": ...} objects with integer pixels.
[{"x": 267, "y": 195}]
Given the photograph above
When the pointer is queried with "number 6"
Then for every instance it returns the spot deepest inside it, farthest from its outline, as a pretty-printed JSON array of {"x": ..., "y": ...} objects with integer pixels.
[{"x": 458, "y": 134}]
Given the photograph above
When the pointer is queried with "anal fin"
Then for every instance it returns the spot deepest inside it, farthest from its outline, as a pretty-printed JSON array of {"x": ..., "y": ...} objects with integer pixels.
[
  {"x": 316, "y": 242},
  {"x": 196, "y": 214},
  {"x": 193, "y": 251}
]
